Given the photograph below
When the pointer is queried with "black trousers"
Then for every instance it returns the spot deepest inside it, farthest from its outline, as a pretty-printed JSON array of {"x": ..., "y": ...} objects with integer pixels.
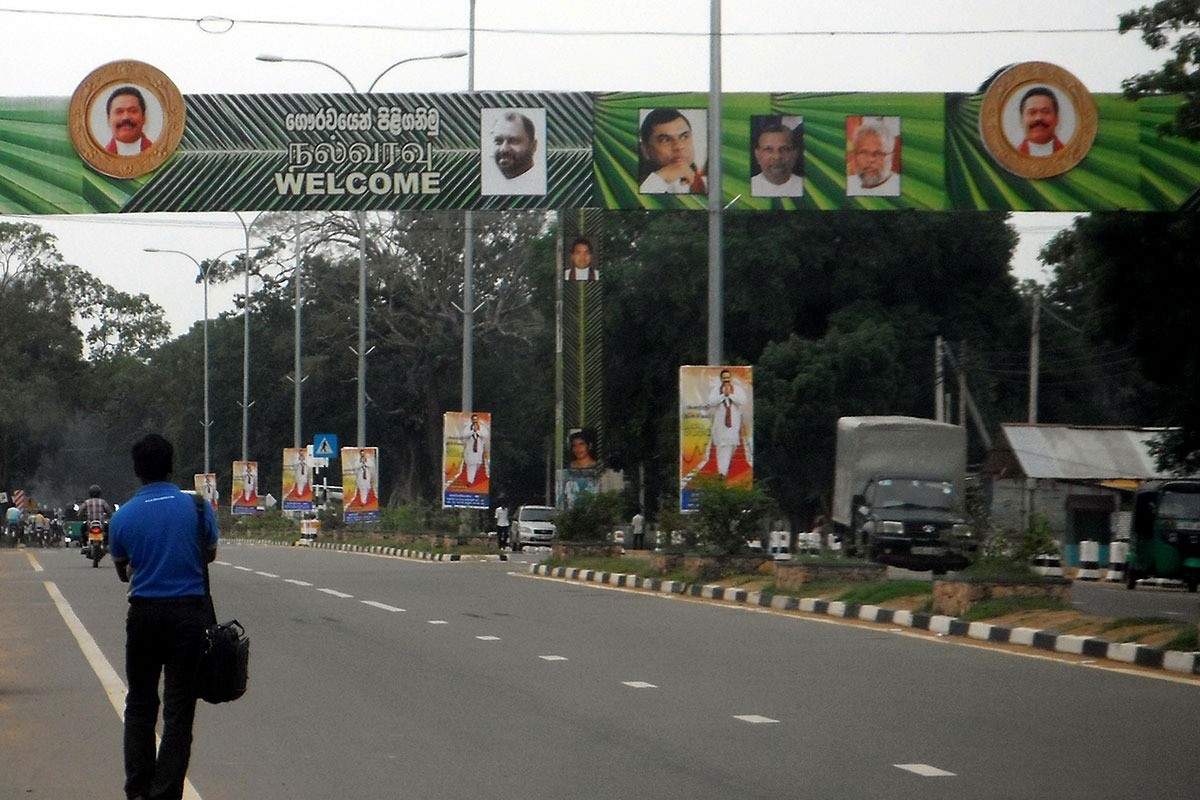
[{"x": 162, "y": 638}]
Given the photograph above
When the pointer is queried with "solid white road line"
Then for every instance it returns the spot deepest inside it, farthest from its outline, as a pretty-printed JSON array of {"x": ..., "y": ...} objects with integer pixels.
[
  {"x": 925, "y": 771},
  {"x": 336, "y": 593},
  {"x": 114, "y": 687},
  {"x": 383, "y": 606}
]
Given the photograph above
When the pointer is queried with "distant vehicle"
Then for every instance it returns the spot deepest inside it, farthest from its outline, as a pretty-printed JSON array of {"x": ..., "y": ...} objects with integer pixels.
[
  {"x": 1165, "y": 541},
  {"x": 898, "y": 492},
  {"x": 533, "y": 525}
]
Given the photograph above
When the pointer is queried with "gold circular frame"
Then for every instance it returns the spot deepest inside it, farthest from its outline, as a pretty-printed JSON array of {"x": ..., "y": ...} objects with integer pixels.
[
  {"x": 1015, "y": 79},
  {"x": 90, "y": 91}
]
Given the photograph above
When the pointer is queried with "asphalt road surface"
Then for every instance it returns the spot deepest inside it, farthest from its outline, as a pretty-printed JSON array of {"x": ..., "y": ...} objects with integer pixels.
[{"x": 377, "y": 677}]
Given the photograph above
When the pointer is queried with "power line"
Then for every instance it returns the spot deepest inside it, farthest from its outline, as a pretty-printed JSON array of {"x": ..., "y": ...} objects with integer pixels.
[{"x": 219, "y": 25}]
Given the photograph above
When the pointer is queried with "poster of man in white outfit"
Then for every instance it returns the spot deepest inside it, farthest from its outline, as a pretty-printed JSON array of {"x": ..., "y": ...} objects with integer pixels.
[
  {"x": 716, "y": 428},
  {"x": 466, "y": 459}
]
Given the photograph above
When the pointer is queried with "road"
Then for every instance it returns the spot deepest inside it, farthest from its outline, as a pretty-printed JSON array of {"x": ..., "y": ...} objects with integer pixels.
[{"x": 377, "y": 677}]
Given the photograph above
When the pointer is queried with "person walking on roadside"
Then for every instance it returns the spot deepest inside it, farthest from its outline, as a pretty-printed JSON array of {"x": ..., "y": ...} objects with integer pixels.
[
  {"x": 502, "y": 526},
  {"x": 155, "y": 542},
  {"x": 638, "y": 526}
]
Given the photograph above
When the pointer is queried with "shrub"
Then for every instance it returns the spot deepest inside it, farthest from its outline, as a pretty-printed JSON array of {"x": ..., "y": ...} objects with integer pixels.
[
  {"x": 591, "y": 519},
  {"x": 729, "y": 515}
]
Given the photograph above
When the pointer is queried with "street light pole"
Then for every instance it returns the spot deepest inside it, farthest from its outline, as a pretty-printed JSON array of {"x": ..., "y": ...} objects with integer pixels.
[
  {"x": 203, "y": 274},
  {"x": 362, "y": 229},
  {"x": 246, "y": 341}
]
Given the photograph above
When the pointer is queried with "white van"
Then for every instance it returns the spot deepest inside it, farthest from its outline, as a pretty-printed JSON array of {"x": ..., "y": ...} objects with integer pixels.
[{"x": 533, "y": 525}]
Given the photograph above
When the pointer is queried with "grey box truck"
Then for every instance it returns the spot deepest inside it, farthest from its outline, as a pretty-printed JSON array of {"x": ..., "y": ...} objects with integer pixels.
[{"x": 898, "y": 492}]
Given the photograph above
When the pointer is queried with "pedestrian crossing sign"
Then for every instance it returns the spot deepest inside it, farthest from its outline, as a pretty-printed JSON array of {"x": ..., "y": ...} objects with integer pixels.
[{"x": 325, "y": 445}]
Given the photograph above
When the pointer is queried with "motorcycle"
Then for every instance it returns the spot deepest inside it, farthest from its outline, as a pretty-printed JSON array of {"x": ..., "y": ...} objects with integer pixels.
[{"x": 95, "y": 548}]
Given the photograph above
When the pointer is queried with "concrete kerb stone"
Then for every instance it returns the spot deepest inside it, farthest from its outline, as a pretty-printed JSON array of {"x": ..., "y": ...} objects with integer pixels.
[{"x": 1127, "y": 652}]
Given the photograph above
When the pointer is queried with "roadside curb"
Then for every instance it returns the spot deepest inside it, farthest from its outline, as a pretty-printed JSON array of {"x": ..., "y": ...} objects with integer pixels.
[
  {"x": 396, "y": 552},
  {"x": 1092, "y": 647}
]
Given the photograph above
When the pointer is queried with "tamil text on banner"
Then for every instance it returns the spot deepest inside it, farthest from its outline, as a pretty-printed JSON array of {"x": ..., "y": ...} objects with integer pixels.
[
  {"x": 244, "y": 499},
  {"x": 360, "y": 484},
  {"x": 205, "y": 484},
  {"x": 466, "y": 459},
  {"x": 716, "y": 429},
  {"x": 297, "y": 480}
]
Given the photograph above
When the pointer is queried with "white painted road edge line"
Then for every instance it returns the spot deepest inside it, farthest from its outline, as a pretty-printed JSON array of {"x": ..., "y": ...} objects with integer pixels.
[
  {"x": 925, "y": 771},
  {"x": 114, "y": 687},
  {"x": 382, "y": 606}
]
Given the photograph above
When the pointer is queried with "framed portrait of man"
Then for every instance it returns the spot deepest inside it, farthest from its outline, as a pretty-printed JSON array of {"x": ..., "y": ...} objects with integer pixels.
[
  {"x": 1037, "y": 120},
  {"x": 512, "y": 151},
  {"x": 126, "y": 118},
  {"x": 672, "y": 151},
  {"x": 873, "y": 156},
  {"x": 776, "y": 156}
]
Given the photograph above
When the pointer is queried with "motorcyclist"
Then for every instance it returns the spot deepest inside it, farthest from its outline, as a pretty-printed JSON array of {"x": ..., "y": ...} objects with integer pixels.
[
  {"x": 12, "y": 523},
  {"x": 96, "y": 510}
]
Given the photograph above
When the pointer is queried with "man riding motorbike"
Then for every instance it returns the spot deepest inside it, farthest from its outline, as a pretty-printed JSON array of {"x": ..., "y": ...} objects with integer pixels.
[{"x": 96, "y": 510}]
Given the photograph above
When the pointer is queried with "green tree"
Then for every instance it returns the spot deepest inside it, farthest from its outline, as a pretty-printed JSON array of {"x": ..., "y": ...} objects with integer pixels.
[
  {"x": 1170, "y": 24},
  {"x": 1130, "y": 280}
]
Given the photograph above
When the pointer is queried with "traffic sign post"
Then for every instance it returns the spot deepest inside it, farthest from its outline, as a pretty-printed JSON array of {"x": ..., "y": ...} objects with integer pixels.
[{"x": 325, "y": 445}]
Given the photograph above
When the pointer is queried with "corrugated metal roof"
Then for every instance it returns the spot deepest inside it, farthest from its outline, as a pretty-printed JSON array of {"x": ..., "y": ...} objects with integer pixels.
[{"x": 1066, "y": 452}]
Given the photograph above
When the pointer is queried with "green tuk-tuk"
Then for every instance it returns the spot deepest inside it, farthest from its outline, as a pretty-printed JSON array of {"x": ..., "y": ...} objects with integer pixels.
[{"x": 1165, "y": 536}]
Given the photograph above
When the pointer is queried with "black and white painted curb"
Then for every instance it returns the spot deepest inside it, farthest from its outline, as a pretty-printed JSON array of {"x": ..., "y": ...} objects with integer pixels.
[
  {"x": 396, "y": 552},
  {"x": 1128, "y": 652}
]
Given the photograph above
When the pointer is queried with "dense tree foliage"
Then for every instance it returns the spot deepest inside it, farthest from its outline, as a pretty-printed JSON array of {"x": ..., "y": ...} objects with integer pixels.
[
  {"x": 1170, "y": 24},
  {"x": 1131, "y": 282}
]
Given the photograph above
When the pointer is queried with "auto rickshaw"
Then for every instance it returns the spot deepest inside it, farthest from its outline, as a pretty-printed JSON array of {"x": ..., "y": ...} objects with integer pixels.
[{"x": 1165, "y": 535}]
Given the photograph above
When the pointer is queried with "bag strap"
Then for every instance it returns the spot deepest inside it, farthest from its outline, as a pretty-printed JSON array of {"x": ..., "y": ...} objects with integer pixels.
[{"x": 200, "y": 534}]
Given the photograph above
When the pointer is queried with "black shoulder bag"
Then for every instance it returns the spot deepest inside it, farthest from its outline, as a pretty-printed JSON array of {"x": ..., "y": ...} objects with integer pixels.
[{"x": 225, "y": 663}]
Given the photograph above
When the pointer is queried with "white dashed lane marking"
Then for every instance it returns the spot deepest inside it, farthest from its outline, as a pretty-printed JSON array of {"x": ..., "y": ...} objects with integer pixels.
[
  {"x": 639, "y": 685},
  {"x": 925, "y": 771},
  {"x": 381, "y": 606},
  {"x": 755, "y": 719},
  {"x": 295, "y": 582},
  {"x": 243, "y": 569},
  {"x": 336, "y": 593},
  {"x": 438, "y": 622},
  {"x": 488, "y": 638},
  {"x": 553, "y": 658},
  {"x": 267, "y": 574}
]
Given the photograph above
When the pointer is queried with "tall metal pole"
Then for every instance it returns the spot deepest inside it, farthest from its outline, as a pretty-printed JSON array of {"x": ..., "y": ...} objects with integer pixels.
[
  {"x": 246, "y": 341},
  {"x": 297, "y": 274},
  {"x": 362, "y": 329},
  {"x": 939, "y": 381},
  {"x": 362, "y": 228},
  {"x": 207, "y": 421},
  {"x": 1035, "y": 340},
  {"x": 716, "y": 290},
  {"x": 468, "y": 306}
]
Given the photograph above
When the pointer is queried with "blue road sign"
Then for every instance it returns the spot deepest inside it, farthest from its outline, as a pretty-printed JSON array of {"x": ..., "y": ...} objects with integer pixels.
[{"x": 325, "y": 445}]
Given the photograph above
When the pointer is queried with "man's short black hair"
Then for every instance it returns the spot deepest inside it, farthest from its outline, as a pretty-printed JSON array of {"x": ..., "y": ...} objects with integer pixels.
[
  {"x": 153, "y": 458},
  {"x": 660, "y": 116},
  {"x": 582, "y": 240},
  {"x": 1039, "y": 91},
  {"x": 130, "y": 90}
]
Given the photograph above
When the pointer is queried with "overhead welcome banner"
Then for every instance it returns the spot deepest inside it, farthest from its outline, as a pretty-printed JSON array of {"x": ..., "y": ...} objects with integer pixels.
[{"x": 1033, "y": 139}]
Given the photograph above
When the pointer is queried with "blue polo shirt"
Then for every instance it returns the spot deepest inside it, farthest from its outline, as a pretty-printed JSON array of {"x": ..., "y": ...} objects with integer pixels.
[{"x": 158, "y": 532}]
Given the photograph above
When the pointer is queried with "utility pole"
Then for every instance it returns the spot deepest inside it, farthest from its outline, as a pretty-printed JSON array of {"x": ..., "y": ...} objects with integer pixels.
[
  {"x": 1035, "y": 338},
  {"x": 939, "y": 391}
]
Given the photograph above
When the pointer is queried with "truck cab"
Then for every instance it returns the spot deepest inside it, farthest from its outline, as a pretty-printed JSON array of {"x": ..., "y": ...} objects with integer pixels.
[{"x": 911, "y": 522}]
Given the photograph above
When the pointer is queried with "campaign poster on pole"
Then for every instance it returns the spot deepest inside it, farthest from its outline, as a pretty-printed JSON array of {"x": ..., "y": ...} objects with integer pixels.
[
  {"x": 466, "y": 459},
  {"x": 244, "y": 499},
  {"x": 297, "y": 480},
  {"x": 205, "y": 484},
  {"x": 360, "y": 484},
  {"x": 716, "y": 429}
]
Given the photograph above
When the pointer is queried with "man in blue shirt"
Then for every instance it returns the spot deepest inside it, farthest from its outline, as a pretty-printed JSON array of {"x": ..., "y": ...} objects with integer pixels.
[{"x": 155, "y": 541}]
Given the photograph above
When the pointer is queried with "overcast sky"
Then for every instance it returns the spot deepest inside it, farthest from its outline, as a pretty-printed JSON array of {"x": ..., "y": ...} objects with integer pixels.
[{"x": 618, "y": 45}]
